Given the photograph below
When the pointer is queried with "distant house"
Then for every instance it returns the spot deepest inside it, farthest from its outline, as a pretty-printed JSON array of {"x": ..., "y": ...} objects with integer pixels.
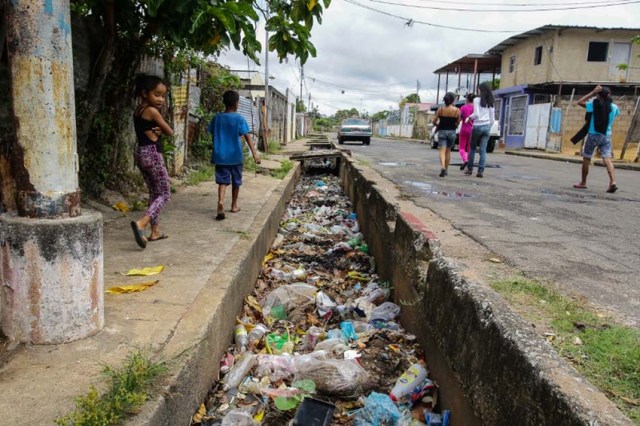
[{"x": 546, "y": 70}]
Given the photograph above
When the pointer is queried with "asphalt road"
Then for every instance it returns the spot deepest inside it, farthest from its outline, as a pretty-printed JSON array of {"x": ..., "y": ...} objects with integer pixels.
[{"x": 526, "y": 211}]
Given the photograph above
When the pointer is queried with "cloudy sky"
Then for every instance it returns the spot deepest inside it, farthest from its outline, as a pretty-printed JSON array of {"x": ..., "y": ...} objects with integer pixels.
[{"x": 377, "y": 59}]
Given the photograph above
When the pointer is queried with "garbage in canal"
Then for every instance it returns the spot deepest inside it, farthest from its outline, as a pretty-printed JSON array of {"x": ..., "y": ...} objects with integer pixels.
[{"x": 317, "y": 342}]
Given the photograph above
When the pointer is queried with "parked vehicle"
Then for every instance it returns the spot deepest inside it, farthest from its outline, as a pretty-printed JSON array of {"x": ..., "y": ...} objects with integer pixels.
[
  {"x": 355, "y": 129},
  {"x": 494, "y": 133}
]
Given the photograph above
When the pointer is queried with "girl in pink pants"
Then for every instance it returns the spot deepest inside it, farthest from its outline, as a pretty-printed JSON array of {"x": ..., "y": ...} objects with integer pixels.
[{"x": 465, "y": 130}]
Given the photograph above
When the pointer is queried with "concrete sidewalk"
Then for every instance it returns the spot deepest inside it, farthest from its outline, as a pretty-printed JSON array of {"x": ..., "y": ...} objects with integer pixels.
[
  {"x": 567, "y": 158},
  {"x": 210, "y": 266}
]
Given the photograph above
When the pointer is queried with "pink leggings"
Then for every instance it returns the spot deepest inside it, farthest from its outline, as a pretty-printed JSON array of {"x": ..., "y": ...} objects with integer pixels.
[
  {"x": 463, "y": 148},
  {"x": 155, "y": 175}
]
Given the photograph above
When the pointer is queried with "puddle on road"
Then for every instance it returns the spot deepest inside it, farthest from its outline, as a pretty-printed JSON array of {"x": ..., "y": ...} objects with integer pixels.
[
  {"x": 522, "y": 177},
  {"x": 395, "y": 164},
  {"x": 428, "y": 188}
]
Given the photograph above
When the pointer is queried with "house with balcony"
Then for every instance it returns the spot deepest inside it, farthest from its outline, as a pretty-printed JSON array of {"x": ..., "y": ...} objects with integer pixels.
[{"x": 544, "y": 71}]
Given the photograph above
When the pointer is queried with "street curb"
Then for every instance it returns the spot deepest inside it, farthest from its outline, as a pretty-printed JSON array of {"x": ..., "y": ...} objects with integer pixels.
[
  {"x": 599, "y": 163},
  {"x": 209, "y": 322},
  {"x": 505, "y": 369}
]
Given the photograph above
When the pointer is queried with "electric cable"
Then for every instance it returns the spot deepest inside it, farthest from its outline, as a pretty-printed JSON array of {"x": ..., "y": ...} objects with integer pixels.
[
  {"x": 410, "y": 21},
  {"x": 454, "y": 9}
]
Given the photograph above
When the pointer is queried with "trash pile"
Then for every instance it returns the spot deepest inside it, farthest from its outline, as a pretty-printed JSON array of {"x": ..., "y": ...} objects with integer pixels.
[{"x": 317, "y": 341}]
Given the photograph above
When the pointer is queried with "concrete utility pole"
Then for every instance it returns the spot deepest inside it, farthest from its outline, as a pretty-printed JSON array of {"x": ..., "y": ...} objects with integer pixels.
[{"x": 51, "y": 260}]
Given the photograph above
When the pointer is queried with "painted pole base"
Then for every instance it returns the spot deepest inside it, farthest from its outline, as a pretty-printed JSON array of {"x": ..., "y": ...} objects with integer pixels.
[{"x": 51, "y": 278}]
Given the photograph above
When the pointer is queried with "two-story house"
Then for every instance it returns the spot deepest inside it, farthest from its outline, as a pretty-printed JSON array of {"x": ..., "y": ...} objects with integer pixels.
[{"x": 546, "y": 70}]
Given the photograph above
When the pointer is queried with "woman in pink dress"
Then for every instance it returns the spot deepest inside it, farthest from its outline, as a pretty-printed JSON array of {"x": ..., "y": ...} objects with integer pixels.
[{"x": 465, "y": 130}]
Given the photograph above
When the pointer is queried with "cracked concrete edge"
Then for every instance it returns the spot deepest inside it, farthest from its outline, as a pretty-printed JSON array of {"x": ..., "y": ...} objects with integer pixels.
[
  {"x": 205, "y": 332},
  {"x": 503, "y": 366}
]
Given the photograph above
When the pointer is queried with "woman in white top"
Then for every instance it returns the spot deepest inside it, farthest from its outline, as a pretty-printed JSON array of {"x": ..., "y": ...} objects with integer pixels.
[{"x": 483, "y": 117}]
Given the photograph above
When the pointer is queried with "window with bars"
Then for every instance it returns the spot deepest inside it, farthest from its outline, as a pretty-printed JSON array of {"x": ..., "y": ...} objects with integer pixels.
[
  {"x": 497, "y": 106},
  {"x": 512, "y": 63},
  {"x": 517, "y": 115}
]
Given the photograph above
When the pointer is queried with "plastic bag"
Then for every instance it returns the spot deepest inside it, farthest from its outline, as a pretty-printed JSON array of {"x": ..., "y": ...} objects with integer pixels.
[
  {"x": 311, "y": 339},
  {"x": 378, "y": 410},
  {"x": 335, "y": 377},
  {"x": 375, "y": 294},
  {"x": 275, "y": 367},
  {"x": 388, "y": 311},
  {"x": 324, "y": 303},
  {"x": 239, "y": 371},
  {"x": 336, "y": 347},
  {"x": 238, "y": 418},
  {"x": 289, "y": 296}
]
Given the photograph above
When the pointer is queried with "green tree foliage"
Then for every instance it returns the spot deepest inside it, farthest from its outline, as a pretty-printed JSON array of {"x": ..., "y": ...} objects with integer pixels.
[
  {"x": 380, "y": 115},
  {"x": 413, "y": 98},
  {"x": 182, "y": 33}
]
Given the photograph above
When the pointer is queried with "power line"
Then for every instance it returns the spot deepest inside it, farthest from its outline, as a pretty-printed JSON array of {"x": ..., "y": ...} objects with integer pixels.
[
  {"x": 410, "y": 21},
  {"x": 560, "y": 8},
  {"x": 354, "y": 89},
  {"x": 531, "y": 4}
]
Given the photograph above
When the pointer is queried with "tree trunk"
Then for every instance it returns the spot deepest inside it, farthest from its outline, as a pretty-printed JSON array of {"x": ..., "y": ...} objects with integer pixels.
[{"x": 94, "y": 94}]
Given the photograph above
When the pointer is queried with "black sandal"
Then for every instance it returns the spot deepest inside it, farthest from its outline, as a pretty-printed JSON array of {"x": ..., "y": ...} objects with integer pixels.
[{"x": 138, "y": 235}]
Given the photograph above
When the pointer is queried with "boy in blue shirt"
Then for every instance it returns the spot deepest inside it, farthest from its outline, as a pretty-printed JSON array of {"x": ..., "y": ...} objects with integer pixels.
[
  {"x": 226, "y": 129},
  {"x": 603, "y": 113}
]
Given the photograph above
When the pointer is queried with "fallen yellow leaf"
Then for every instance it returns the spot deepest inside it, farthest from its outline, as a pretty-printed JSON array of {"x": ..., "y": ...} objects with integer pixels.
[
  {"x": 145, "y": 271},
  {"x": 202, "y": 411},
  {"x": 121, "y": 206},
  {"x": 133, "y": 288},
  {"x": 259, "y": 416},
  {"x": 253, "y": 303},
  {"x": 268, "y": 257},
  {"x": 495, "y": 260}
]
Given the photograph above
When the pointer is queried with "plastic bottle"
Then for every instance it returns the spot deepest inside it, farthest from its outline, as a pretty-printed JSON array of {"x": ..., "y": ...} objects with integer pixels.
[
  {"x": 256, "y": 333},
  {"x": 408, "y": 381},
  {"x": 238, "y": 372},
  {"x": 241, "y": 337}
]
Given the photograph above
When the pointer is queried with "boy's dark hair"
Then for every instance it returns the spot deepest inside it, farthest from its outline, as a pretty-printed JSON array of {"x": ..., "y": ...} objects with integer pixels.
[
  {"x": 470, "y": 97},
  {"x": 449, "y": 98},
  {"x": 230, "y": 98},
  {"x": 147, "y": 83}
]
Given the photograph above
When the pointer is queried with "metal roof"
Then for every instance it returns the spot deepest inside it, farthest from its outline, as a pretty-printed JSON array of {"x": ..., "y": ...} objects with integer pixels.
[
  {"x": 466, "y": 65},
  {"x": 500, "y": 47}
]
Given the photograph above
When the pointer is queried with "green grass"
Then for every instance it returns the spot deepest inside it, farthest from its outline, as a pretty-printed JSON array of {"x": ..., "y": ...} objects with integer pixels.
[
  {"x": 609, "y": 355},
  {"x": 274, "y": 147},
  {"x": 281, "y": 172},
  {"x": 202, "y": 173},
  {"x": 128, "y": 387}
]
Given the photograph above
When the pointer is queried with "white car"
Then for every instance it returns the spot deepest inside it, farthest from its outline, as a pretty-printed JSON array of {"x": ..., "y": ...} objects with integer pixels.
[{"x": 355, "y": 129}]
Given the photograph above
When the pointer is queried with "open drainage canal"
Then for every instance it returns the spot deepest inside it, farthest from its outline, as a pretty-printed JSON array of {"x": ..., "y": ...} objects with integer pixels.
[{"x": 317, "y": 342}]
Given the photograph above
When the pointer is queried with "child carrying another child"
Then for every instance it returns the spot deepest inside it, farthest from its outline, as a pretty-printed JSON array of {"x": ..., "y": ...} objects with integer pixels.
[{"x": 226, "y": 129}]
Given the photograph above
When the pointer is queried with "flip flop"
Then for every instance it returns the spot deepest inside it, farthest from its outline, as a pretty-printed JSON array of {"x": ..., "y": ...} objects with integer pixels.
[
  {"x": 161, "y": 237},
  {"x": 138, "y": 235},
  {"x": 580, "y": 186},
  {"x": 613, "y": 188},
  {"x": 220, "y": 216}
]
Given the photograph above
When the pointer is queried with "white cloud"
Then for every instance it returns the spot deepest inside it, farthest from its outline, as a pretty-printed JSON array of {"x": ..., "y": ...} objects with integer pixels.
[{"x": 376, "y": 59}]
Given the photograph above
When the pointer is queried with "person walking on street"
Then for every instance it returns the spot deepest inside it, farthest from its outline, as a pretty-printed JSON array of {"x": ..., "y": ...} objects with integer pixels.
[
  {"x": 446, "y": 120},
  {"x": 483, "y": 117},
  {"x": 465, "y": 130},
  {"x": 603, "y": 114},
  {"x": 226, "y": 129},
  {"x": 149, "y": 126}
]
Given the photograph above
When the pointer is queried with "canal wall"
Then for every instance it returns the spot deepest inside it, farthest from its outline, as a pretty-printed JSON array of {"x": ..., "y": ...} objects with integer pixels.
[{"x": 474, "y": 343}]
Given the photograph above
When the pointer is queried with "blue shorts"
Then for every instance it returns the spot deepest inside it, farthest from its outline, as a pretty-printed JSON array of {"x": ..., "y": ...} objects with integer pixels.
[
  {"x": 446, "y": 138},
  {"x": 229, "y": 175},
  {"x": 597, "y": 140}
]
